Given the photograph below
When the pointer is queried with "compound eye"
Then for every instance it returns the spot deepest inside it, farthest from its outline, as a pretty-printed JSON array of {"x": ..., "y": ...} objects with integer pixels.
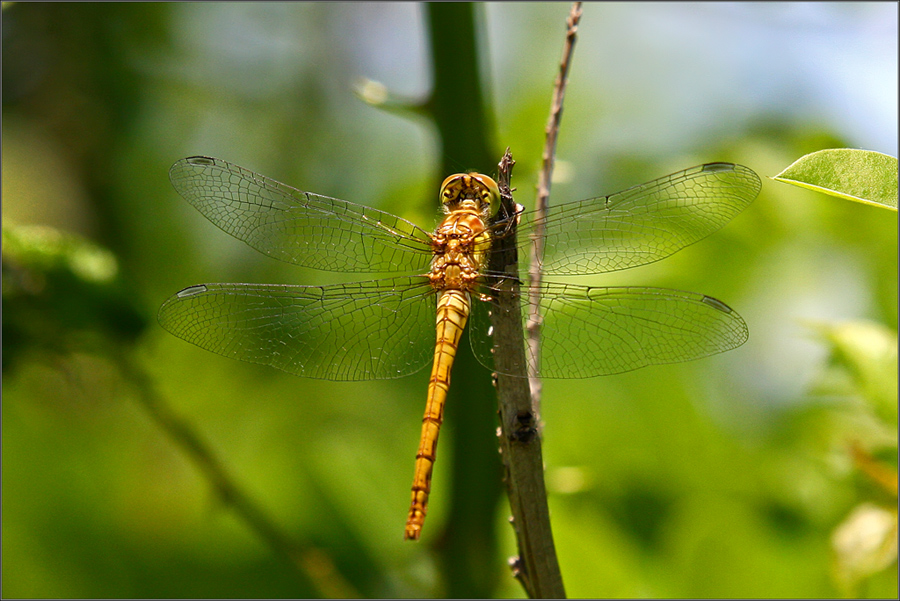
[
  {"x": 492, "y": 189},
  {"x": 449, "y": 179},
  {"x": 451, "y": 187}
]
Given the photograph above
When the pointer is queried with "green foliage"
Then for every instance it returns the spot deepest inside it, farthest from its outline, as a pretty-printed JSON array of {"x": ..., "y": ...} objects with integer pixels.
[
  {"x": 858, "y": 175},
  {"x": 863, "y": 363},
  {"x": 862, "y": 370},
  {"x": 62, "y": 293},
  {"x": 721, "y": 477}
]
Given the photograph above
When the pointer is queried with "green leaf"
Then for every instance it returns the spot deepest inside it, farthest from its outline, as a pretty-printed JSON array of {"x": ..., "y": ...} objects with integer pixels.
[
  {"x": 62, "y": 293},
  {"x": 44, "y": 248},
  {"x": 867, "y": 353},
  {"x": 858, "y": 175}
]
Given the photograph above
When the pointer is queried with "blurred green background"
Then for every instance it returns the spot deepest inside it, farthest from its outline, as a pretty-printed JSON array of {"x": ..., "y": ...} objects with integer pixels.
[{"x": 719, "y": 478}]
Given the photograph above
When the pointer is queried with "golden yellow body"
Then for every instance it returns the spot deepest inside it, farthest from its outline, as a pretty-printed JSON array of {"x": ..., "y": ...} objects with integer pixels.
[{"x": 460, "y": 248}]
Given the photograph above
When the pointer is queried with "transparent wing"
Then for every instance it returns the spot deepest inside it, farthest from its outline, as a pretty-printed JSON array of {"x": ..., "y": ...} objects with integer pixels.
[
  {"x": 300, "y": 227},
  {"x": 642, "y": 224},
  {"x": 591, "y": 331},
  {"x": 362, "y": 331}
]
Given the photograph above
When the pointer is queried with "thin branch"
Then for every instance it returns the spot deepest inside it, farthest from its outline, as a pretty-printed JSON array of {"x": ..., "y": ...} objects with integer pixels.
[
  {"x": 313, "y": 566},
  {"x": 536, "y": 567},
  {"x": 534, "y": 314}
]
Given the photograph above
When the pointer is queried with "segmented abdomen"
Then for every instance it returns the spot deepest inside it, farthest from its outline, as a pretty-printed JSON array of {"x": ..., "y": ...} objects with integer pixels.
[{"x": 452, "y": 312}]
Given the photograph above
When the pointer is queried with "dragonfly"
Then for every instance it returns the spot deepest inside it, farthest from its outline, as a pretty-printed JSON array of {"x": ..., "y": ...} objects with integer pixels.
[{"x": 395, "y": 326}]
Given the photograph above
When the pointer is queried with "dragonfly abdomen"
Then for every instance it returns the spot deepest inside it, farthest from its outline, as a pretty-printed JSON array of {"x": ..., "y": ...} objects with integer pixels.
[{"x": 452, "y": 313}]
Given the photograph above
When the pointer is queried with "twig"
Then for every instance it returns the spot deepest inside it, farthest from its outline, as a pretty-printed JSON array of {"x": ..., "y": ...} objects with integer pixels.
[
  {"x": 313, "y": 567},
  {"x": 534, "y": 312},
  {"x": 536, "y": 567}
]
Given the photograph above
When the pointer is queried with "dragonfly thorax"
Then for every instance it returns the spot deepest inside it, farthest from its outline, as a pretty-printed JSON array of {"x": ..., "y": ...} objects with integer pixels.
[
  {"x": 470, "y": 192},
  {"x": 460, "y": 246}
]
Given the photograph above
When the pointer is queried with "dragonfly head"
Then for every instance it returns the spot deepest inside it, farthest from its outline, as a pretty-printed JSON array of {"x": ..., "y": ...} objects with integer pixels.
[{"x": 471, "y": 191}]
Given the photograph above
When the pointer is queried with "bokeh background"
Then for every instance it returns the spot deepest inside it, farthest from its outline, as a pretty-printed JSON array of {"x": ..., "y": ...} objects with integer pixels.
[{"x": 723, "y": 477}]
